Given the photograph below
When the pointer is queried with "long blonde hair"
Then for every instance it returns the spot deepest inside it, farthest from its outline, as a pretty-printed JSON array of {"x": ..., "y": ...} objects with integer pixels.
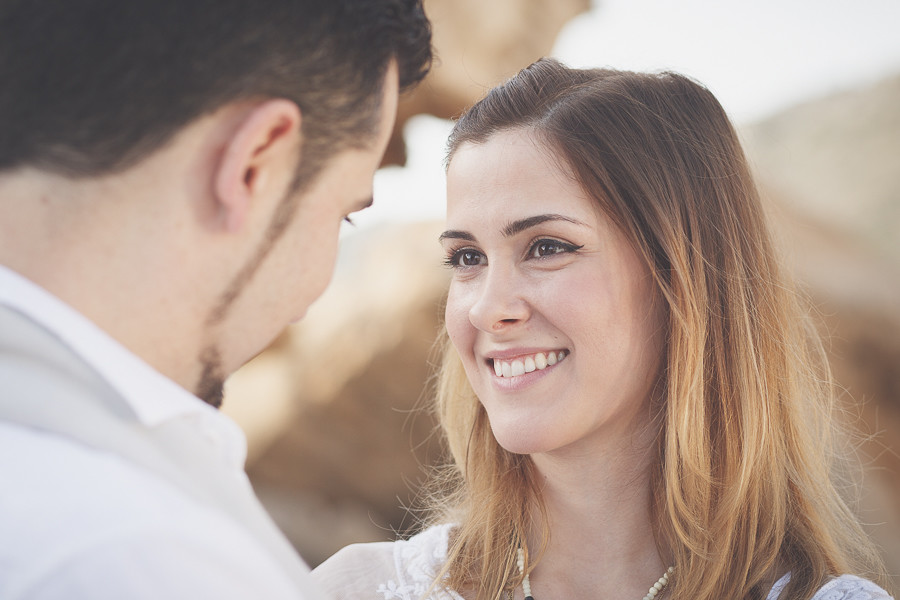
[{"x": 744, "y": 485}]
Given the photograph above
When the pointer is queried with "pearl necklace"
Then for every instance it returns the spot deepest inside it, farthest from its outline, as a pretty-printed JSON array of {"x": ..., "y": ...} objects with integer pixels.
[{"x": 526, "y": 583}]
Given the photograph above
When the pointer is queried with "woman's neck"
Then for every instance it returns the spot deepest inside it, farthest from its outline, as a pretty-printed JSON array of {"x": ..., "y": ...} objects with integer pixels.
[{"x": 602, "y": 542}]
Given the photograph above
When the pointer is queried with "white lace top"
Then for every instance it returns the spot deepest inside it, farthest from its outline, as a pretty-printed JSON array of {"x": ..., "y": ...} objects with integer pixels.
[{"x": 405, "y": 570}]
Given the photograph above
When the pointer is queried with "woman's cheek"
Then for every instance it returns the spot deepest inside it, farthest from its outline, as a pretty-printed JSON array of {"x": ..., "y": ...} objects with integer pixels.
[{"x": 455, "y": 318}]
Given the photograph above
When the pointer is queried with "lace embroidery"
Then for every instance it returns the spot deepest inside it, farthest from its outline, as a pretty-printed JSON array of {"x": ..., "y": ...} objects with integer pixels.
[
  {"x": 845, "y": 587},
  {"x": 392, "y": 591},
  {"x": 417, "y": 562},
  {"x": 850, "y": 587}
]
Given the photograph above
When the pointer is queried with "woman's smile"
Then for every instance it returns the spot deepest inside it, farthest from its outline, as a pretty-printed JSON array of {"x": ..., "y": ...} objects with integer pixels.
[
  {"x": 527, "y": 363},
  {"x": 514, "y": 371}
]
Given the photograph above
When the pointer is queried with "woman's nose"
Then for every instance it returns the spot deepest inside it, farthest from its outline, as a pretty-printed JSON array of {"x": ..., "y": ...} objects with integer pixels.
[{"x": 499, "y": 303}]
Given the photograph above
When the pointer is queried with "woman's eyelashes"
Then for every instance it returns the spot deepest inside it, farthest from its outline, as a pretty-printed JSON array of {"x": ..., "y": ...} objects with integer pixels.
[
  {"x": 543, "y": 248},
  {"x": 465, "y": 257}
]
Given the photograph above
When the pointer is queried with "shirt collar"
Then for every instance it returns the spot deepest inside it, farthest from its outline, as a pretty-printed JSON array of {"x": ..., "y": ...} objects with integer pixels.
[{"x": 154, "y": 397}]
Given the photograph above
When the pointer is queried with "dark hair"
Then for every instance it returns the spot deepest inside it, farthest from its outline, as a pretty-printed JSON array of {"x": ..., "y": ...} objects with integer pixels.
[
  {"x": 93, "y": 86},
  {"x": 743, "y": 479}
]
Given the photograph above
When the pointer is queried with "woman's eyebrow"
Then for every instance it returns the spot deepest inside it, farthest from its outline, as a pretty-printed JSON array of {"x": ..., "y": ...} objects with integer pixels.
[
  {"x": 513, "y": 228},
  {"x": 453, "y": 234},
  {"x": 522, "y": 224}
]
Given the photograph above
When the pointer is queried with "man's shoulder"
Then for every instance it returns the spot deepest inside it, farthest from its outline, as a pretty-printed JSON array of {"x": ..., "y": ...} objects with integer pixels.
[
  {"x": 56, "y": 473},
  {"x": 68, "y": 509},
  {"x": 57, "y": 489}
]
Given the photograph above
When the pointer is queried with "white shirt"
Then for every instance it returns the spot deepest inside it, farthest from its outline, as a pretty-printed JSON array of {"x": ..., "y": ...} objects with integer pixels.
[{"x": 78, "y": 523}]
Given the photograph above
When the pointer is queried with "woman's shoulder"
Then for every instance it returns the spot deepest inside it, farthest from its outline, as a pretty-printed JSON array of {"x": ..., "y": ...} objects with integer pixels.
[
  {"x": 350, "y": 570},
  {"x": 851, "y": 587},
  {"x": 845, "y": 587},
  {"x": 401, "y": 570}
]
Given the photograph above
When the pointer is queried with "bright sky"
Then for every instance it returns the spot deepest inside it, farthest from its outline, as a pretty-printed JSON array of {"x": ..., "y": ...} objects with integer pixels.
[{"x": 757, "y": 57}]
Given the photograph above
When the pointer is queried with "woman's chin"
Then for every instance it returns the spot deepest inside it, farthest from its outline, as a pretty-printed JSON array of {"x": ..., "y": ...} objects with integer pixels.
[{"x": 520, "y": 440}]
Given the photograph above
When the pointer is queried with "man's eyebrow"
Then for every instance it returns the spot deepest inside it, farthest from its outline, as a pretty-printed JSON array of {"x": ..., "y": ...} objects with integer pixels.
[{"x": 522, "y": 224}]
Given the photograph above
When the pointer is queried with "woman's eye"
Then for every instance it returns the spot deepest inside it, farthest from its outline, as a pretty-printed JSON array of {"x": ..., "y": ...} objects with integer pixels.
[
  {"x": 543, "y": 248},
  {"x": 465, "y": 258}
]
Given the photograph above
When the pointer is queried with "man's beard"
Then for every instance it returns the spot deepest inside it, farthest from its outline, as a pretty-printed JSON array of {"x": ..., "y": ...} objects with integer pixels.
[{"x": 211, "y": 385}]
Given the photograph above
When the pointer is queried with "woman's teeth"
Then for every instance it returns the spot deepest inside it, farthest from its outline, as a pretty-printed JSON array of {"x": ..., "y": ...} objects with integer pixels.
[{"x": 527, "y": 364}]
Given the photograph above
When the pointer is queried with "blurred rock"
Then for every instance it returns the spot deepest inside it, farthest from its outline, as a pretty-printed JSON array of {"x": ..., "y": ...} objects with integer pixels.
[
  {"x": 837, "y": 161},
  {"x": 831, "y": 169},
  {"x": 477, "y": 45}
]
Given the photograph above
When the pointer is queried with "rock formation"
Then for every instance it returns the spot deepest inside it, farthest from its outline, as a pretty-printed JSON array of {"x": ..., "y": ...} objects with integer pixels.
[
  {"x": 830, "y": 169},
  {"x": 479, "y": 44}
]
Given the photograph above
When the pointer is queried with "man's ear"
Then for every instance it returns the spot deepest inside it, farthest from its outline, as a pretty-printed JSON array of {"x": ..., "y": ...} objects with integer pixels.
[{"x": 259, "y": 159}]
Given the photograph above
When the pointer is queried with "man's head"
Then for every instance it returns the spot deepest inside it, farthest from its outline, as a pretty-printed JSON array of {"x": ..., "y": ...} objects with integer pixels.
[
  {"x": 92, "y": 86},
  {"x": 212, "y": 145}
]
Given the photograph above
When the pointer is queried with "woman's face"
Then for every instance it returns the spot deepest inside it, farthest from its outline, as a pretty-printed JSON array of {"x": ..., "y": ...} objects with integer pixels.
[{"x": 549, "y": 308}]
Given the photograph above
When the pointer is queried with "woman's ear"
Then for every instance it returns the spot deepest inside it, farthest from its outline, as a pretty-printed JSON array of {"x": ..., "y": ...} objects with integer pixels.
[{"x": 259, "y": 159}]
